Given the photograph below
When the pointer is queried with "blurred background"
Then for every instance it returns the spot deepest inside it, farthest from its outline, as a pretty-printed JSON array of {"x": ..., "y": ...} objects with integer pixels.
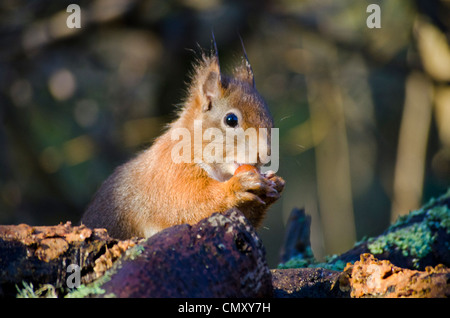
[{"x": 364, "y": 114}]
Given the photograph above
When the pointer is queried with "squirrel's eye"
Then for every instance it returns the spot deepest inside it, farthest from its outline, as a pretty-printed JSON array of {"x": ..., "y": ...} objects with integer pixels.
[{"x": 231, "y": 120}]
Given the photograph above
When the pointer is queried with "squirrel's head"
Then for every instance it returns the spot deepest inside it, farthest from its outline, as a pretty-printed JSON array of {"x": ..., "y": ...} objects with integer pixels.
[{"x": 233, "y": 118}]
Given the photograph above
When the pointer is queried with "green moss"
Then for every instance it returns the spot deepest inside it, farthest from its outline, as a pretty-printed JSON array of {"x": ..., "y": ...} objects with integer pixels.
[
  {"x": 414, "y": 240},
  {"x": 28, "y": 291},
  {"x": 88, "y": 290},
  {"x": 295, "y": 262},
  {"x": 300, "y": 261},
  {"x": 437, "y": 216},
  {"x": 134, "y": 252},
  {"x": 414, "y": 234},
  {"x": 440, "y": 217},
  {"x": 331, "y": 263},
  {"x": 334, "y": 263}
]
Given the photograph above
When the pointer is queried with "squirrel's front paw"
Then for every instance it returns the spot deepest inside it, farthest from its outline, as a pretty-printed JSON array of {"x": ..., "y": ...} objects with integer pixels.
[
  {"x": 254, "y": 188},
  {"x": 278, "y": 181},
  {"x": 278, "y": 184}
]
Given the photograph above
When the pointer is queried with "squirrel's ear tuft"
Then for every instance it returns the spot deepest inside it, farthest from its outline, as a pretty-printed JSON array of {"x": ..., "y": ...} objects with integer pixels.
[
  {"x": 206, "y": 82},
  {"x": 244, "y": 72},
  {"x": 211, "y": 84}
]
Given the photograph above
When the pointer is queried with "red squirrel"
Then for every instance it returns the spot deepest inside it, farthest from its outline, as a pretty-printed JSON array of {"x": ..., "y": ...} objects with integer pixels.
[{"x": 152, "y": 192}]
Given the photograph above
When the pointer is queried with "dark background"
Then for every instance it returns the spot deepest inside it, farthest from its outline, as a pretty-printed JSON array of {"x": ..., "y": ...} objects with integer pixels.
[{"x": 364, "y": 114}]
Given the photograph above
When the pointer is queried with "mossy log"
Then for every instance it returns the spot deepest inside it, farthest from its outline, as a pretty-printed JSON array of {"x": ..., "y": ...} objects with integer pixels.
[
  {"x": 415, "y": 241},
  {"x": 410, "y": 259},
  {"x": 40, "y": 255},
  {"x": 220, "y": 256}
]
